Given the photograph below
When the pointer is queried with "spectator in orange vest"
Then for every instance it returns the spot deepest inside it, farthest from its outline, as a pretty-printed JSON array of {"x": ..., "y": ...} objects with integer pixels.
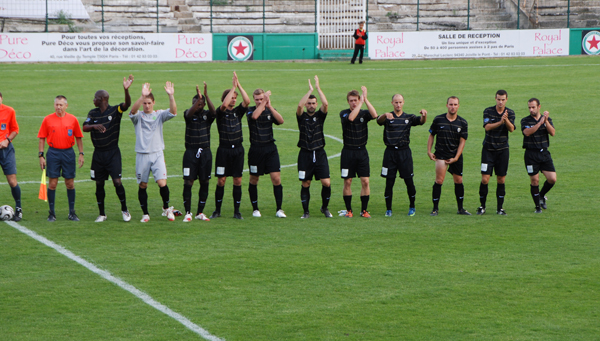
[{"x": 360, "y": 35}]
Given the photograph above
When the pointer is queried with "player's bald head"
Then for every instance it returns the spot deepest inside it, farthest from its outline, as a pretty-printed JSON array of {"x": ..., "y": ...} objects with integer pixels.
[{"x": 397, "y": 95}]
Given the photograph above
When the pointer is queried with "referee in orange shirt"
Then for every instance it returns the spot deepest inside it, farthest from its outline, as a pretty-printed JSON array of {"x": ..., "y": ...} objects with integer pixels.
[
  {"x": 60, "y": 129},
  {"x": 8, "y": 131}
]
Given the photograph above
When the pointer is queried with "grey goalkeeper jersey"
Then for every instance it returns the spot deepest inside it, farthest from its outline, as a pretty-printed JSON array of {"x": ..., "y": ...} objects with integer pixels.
[{"x": 149, "y": 130}]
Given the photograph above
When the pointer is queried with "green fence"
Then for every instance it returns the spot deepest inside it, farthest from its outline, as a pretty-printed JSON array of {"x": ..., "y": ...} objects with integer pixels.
[{"x": 270, "y": 46}]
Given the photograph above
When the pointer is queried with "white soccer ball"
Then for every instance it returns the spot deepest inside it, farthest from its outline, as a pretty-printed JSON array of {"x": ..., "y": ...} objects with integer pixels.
[{"x": 6, "y": 212}]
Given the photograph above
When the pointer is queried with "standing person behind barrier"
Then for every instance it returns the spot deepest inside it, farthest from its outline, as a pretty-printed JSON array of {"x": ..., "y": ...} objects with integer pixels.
[{"x": 360, "y": 36}]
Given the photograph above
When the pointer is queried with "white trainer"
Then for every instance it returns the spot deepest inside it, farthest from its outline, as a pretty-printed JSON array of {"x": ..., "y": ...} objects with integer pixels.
[
  {"x": 126, "y": 216},
  {"x": 101, "y": 218},
  {"x": 187, "y": 218},
  {"x": 145, "y": 218},
  {"x": 168, "y": 212},
  {"x": 256, "y": 214},
  {"x": 280, "y": 214},
  {"x": 202, "y": 216}
]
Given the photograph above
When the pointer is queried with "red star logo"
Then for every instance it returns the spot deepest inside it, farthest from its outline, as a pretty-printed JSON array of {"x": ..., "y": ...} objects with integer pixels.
[
  {"x": 593, "y": 43},
  {"x": 240, "y": 49}
]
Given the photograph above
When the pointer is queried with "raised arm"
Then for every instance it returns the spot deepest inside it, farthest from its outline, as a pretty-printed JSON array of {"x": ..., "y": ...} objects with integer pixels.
[
  {"x": 324, "y": 103},
  {"x": 302, "y": 103},
  {"x": 372, "y": 110},
  {"x": 278, "y": 118},
  {"x": 195, "y": 106},
  {"x": 231, "y": 93},
  {"x": 170, "y": 89},
  {"x": 549, "y": 126},
  {"x": 423, "y": 113},
  {"x": 261, "y": 107},
  {"x": 245, "y": 98},
  {"x": 211, "y": 106},
  {"x": 146, "y": 90},
  {"x": 127, "y": 81}
]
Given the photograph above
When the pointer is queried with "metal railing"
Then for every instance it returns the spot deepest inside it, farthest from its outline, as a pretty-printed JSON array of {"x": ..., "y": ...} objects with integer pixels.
[{"x": 219, "y": 16}]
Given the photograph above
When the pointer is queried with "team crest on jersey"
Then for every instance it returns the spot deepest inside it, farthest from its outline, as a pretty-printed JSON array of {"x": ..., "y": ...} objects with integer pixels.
[
  {"x": 458, "y": 130},
  {"x": 70, "y": 132},
  {"x": 110, "y": 118},
  {"x": 362, "y": 120},
  {"x": 269, "y": 117},
  {"x": 3, "y": 126},
  {"x": 204, "y": 117},
  {"x": 315, "y": 119},
  {"x": 406, "y": 121}
]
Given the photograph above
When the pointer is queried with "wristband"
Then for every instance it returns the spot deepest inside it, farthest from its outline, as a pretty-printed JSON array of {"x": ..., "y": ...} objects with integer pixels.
[
  {"x": 41, "y": 154},
  {"x": 9, "y": 140},
  {"x": 81, "y": 153}
]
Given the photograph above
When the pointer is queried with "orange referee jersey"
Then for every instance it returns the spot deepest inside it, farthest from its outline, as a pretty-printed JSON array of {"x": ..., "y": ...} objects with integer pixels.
[
  {"x": 60, "y": 132},
  {"x": 8, "y": 122}
]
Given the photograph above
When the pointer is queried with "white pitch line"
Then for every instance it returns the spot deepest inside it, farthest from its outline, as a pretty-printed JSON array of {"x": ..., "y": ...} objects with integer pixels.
[{"x": 119, "y": 282}]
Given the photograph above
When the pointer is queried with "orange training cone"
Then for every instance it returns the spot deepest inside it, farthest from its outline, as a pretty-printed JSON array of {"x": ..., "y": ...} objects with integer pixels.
[{"x": 43, "y": 193}]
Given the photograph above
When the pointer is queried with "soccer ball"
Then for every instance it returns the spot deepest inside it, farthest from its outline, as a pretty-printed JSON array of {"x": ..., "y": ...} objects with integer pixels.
[{"x": 6, "y": 212}]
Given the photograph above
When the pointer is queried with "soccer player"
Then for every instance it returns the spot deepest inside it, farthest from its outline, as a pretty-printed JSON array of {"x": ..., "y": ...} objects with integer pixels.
[
  {"x": 355, "y": 157},
  {"x": 312, "y": 159},
  {"x": 263, "y": 157},
  {"x": 197, "y": 158},
  {"x": 360, "y": 36},
  {"x": 230, "y": 154},
  {"x": 61, "y": 130},
  {"x": 397, "y": 157},
  {"x": 498, "y": 121},
  {"x": 149, "y": 146},
  {"x": 452, "y": 133},
  {"x": 104, "y": 125},
  {"x": 536, "y": 128},
  {"x": 9, "y": 129}
]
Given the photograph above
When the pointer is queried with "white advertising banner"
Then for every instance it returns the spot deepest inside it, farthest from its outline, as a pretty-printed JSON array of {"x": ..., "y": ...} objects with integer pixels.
[
  {"x": 105, "y": 47},
  {"x": 36, "y": 9},
  {"x": 468, "y": 44}
]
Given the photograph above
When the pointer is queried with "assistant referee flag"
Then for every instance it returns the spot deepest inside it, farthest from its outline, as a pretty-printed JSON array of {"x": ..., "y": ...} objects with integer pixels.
[{"x": 43, "y": 192}]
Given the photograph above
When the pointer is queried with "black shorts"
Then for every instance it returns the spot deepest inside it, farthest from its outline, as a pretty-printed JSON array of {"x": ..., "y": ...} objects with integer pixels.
[
  {"x": 313, "y": 163},
  {"x": 105, "y": 163},
  {"x": 263, "y": 159},
  {"x": 61, "y": 162},
  {"x": 454, "y": 168},
  {"x": 397, "y": 161},
  {"x": 8, "y": 160},
  {"x": 537, "y": 160},
  {"x": 494, "y": 161},
  {"x": 230, "y": 161},
  {"x": 197, "y": 164},
  {"x": 355, "y": 162}
]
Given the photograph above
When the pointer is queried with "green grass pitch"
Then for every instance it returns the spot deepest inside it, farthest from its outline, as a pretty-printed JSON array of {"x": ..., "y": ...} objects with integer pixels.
[{"x": 519, "y": 277}]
